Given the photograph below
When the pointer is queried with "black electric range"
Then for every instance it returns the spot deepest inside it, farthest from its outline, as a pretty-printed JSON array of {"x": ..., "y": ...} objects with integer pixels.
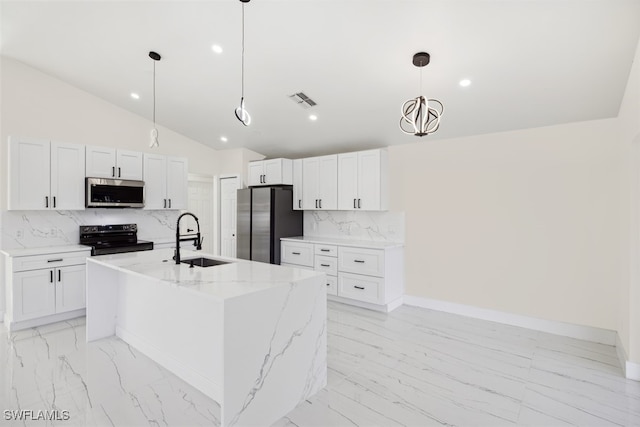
[{"x": 113, "y": 239}]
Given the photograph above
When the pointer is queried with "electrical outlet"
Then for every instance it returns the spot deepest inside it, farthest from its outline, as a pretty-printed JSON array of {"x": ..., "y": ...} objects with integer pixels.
[
  {"x": 53, "y": 232},
  {"x": 19, "y": 233}
]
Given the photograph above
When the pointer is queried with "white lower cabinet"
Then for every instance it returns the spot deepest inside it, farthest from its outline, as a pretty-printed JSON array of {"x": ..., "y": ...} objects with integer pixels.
[
  {"x": 45, "y": 288},
  {"x": 372, "y": 277}
]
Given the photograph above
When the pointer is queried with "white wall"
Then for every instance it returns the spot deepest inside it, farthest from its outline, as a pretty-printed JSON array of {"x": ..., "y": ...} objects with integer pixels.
[
  {"x": 629, "y": 124},
  {"x": 525, "y": 222}
]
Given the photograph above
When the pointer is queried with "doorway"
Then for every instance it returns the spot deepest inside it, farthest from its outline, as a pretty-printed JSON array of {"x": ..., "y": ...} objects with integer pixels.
[
  {"x": 200, "y": 203},
  {"x": 229, "y": 186}
]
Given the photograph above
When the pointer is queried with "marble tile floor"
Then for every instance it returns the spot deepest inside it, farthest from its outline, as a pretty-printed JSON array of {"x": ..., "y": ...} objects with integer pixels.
[{"x": 412, "y": 367}]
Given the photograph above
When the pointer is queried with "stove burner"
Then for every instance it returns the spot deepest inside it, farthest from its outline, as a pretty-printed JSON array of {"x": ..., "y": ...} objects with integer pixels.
[{"x": 112, "y": 239}]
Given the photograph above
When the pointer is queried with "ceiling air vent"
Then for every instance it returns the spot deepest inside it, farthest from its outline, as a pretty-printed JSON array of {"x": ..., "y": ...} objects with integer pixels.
[{"x": 302, "y": 100}]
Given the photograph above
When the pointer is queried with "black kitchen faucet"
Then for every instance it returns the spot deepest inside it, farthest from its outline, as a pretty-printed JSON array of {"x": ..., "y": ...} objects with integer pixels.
[{"x": 197, "y": 240}]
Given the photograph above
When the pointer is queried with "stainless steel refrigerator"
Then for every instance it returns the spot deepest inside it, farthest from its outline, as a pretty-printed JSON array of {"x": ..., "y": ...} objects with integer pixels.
[{"x": 265, "y": 214}]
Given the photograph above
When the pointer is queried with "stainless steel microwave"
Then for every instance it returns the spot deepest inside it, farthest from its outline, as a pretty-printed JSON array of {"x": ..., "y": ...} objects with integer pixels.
[{"x": 114, "y": 193}]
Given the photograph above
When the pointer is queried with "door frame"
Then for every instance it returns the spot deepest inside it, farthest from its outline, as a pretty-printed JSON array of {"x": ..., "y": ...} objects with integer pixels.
[
  {"x": 206, "y": 178},
  {"x": 217, "y": 194}
]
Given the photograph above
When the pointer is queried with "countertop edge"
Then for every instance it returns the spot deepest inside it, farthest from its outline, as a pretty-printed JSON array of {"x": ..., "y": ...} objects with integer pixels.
[
  {"x": 45, "y": 250},
  {"x": 344, "y": 242}
]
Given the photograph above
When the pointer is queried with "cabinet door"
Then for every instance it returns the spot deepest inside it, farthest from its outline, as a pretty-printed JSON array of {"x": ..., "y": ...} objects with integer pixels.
[
  {"x": 100, "y": 162},
  {"x": 33, "y": 294},
  {"x": 129, "y": 165},
  {"x": 177, "y": 182},
  {"x": 369, "y": 180},
  {"x": 328, "y": 182},
  {"x": 70, "y": 288},
  {"x": 348, "y": 181},
  {"x": 272, "y": 172},
  {"x": 155, "y": 181},
  {"x": 297, "y": 184},
  {"x": 310, "y": 180},
  {"x": 29, "y": 174},
  {"x": 67, "y": 176},
  {"x": 256, "y": 171}
]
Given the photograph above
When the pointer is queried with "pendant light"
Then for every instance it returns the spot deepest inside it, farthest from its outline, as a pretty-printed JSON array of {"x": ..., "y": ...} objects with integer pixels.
[
  {"x": 418, "y": 117},
  {"x": 154, "y": 132},
  {"x": 241, "y": 112}
]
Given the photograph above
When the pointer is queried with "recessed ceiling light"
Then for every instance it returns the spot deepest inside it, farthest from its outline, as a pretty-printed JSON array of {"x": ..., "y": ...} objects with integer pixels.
[
  {"x": 313, "y": 117},
  {"x": 223, "y": 139},
  {"x": 135, "y": 95},
  {"x": 465, "y": 82},
  {"x": 216, "y": 48}
]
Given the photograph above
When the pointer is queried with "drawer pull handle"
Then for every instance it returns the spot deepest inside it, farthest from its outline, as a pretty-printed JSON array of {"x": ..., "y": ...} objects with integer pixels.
[
  {"x": 50, "y": 276},
  {"x": 295, "y": 253},
  {"x": 59, "y": 276},
  {"x": 359, "y": 261},
  {"x": 325, "y": 250},
  {"x": 55, "y": 260},
  {"x": 358, "y": 287},
  {"x": 328, "y": 284},
  {"x": 325, "y": 265}
]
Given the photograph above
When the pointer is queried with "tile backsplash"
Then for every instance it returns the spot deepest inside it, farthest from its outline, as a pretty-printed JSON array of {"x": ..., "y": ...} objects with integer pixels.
[
  {"x": 26, "y": 229},
  {"x": 358, "y": 225}
]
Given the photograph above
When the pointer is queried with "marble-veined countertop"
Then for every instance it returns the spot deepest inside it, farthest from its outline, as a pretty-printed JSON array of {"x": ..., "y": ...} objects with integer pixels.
[
  {"x": 344, "y": 242},
  {"x": 239, "y": 277},
  {"x": 16, "y": 252}
]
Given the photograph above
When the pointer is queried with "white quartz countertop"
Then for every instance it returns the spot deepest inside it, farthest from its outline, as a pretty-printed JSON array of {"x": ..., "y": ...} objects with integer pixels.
[
  {"x": 344, "y": 242},
  {"x": 17, "y": 252},
  {"x": 239, "y": 277}
]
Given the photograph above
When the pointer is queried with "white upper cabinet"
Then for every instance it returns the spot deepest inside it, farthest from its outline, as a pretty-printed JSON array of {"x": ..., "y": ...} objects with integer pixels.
[
  {"x": 177, "y": 182},
  {"x": 45, "y": 175},
  {"x": 165, "y": 182},
  {"x": 363, "y": 182},
  {"x": 297, "y": 184},
  {"x": 320, "y": 183},
  {"x": 105, "y": 162},
  {"x": 271, "y": 172}
]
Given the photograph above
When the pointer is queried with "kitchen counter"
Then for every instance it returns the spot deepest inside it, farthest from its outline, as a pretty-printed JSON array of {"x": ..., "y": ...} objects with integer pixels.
[
  {"x": 16, "y": 252},
  {"x": 345, "y": 242},
  {"x": 251, "y": 336},
  {"x": 239, "y": 277}
]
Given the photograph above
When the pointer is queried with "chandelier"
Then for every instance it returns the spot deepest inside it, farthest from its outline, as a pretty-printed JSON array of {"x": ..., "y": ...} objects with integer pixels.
[{"x": 421, "y": 115}]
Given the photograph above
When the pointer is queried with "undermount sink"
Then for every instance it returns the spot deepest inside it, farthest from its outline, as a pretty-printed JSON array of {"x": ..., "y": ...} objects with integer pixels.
[{"x": 203, "y": 262}]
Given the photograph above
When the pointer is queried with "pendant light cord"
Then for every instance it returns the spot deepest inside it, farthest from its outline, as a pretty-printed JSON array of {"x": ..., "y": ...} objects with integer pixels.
[
  {"x": 154, "y": 94},
  {"x": 242, "y": 72}
]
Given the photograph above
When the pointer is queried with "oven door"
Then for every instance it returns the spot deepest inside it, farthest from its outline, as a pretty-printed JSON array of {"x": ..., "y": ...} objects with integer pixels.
[{"x": 114, "y": 193}]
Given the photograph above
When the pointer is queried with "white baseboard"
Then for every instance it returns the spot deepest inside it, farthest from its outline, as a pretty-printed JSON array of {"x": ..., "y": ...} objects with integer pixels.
[
  {"x": 587, "y": 333},
  {"x": 196, "y": 379},
  {"x": 631, "y": 369},
  {"x": 385, "y": 308}
]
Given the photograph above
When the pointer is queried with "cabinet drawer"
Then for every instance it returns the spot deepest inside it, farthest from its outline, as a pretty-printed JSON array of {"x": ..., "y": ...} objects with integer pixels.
[
  {"x": 297, "y": 253},
  {"x": 332, "y": 285},
  {"x": 36, "y": 262},
  {"x": 361, "y": 261},
  {"x": 327, "y": 250},
  {"x": 363, "y": 288},
  {"x": 327, "y": 264}
]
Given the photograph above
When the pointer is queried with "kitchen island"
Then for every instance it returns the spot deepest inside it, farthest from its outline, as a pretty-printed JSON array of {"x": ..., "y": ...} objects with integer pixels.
[{"x": 251, "y": 336}]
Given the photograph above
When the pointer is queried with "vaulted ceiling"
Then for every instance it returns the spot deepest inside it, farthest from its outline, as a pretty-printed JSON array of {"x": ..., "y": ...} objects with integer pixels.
[{"x": 531, "y": 63}]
